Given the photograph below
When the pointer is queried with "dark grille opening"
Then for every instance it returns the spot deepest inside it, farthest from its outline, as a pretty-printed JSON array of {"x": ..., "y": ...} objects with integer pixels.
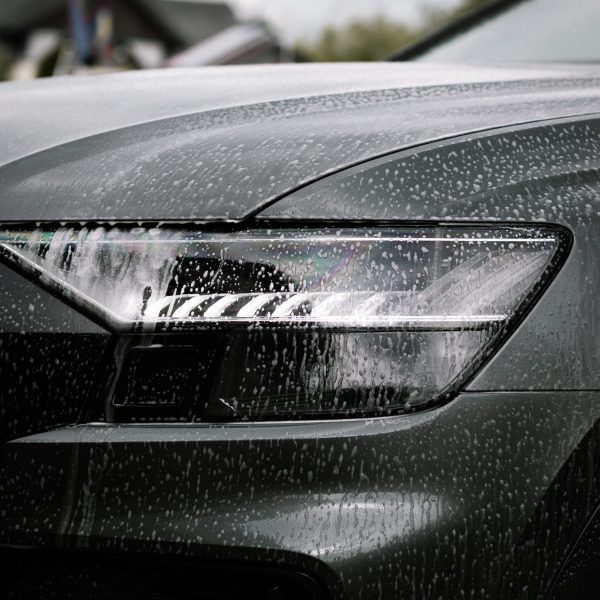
[{"x": 37, "y": 575}]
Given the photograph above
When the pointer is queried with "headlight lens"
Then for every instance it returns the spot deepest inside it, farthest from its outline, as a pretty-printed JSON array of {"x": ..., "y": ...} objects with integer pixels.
[{"x": 316, "y": 322}]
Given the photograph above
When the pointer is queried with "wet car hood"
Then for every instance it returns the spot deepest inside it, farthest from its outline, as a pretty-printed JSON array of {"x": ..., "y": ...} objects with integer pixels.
[{"x": 222, "y": 143}]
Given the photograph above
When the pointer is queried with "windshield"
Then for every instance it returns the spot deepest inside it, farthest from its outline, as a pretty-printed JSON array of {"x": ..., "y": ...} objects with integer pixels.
[{"x": 531, "y": 30}]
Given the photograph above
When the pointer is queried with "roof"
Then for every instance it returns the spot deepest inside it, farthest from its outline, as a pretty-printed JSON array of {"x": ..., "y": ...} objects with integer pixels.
[{"x": 219, "y": 143}]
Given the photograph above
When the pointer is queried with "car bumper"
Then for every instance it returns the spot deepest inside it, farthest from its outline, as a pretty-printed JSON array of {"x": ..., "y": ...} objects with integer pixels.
[{"x": 367, "y": 508}]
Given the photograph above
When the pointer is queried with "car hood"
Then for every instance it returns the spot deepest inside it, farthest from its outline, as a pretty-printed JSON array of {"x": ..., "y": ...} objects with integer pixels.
[{"x": 221, "y": 143}]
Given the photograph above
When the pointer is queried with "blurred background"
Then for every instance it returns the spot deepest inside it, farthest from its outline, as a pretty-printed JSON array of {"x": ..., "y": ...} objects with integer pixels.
[{"x": 42, "y": 38}]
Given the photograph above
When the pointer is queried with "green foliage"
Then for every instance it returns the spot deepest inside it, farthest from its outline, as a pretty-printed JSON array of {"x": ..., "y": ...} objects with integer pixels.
[
  {"x": 361, "y": 40},
  {"x": 374, "y": 39}
]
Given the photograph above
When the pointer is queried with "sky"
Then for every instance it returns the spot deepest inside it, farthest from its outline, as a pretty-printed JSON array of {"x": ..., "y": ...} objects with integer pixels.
[{"x": 302, "y": 20}]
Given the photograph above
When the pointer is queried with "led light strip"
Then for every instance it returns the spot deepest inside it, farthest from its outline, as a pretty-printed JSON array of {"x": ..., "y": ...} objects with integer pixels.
[
  {"x": 326, "y": 304},
  {"x": 467, "y": 321}
]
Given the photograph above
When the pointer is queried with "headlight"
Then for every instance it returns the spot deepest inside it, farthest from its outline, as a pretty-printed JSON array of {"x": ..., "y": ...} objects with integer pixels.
[{"x": 283, "y": 323}]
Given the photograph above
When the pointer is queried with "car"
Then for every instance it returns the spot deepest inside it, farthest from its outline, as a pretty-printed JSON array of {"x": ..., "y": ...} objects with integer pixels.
[
  {"x": 508, "y": 31},
  {"x": 302, "y": 332}
]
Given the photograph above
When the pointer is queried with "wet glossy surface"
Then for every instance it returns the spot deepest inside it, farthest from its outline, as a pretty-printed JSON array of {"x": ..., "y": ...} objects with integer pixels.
[
  {"x": 481, "y": 498},
  {"x": 382, "y": 502},
  {"x": 200, "y": 147}
]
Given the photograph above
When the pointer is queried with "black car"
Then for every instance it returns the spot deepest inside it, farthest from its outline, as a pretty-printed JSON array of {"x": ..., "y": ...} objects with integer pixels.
[{"x": 301, "y": 332}]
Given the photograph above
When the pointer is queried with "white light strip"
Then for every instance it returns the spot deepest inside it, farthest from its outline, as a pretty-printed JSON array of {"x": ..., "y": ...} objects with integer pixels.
[
  {"x": 250, "y": 309},
  {"x": 311, "y": 240},
  {"x": 153, "y": 309},
  {"x": 291, "y": 304},
  {"x": 217, "y": 309},
  {"x": 375, "y": 300},
  {"x": 326, "y": 303},
  {"x": 329, "y": 303},
  {"x": 187, "y": 307},
  {"x": 345, "y": 319}
]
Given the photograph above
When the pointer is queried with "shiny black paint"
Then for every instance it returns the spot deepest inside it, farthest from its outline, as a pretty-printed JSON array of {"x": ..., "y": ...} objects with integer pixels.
[
  {"x": 226, "y": 163},
  {"x": 50, "y": 356}
]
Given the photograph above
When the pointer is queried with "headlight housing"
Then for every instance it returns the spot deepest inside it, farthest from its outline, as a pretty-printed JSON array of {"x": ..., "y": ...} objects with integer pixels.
[{"x": 293, "y": 323}]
